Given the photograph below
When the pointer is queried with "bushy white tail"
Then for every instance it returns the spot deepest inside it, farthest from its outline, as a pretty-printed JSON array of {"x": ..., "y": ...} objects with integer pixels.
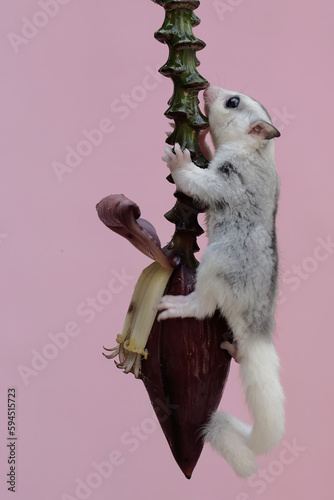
[{"x": 237, "y": 442}]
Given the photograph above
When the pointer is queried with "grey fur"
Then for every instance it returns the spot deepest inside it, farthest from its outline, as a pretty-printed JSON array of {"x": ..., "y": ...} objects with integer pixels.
[
  {"x": 238, "y": 272},
  {"x": 240, "y": 192}
]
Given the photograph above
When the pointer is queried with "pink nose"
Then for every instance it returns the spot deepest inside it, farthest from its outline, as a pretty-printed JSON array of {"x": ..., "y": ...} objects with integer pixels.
[{"x": 210, "y": 94}]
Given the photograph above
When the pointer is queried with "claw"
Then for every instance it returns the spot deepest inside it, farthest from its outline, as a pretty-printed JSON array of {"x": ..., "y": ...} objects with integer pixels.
[
  {"x": 168, "y": 313},
  {"x": 186, "y": 155},
  {"x": 168, "y": 301}
]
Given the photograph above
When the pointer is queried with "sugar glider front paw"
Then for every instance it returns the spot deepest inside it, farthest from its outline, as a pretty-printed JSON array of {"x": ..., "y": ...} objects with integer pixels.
[{"x": 178, "y": 160}]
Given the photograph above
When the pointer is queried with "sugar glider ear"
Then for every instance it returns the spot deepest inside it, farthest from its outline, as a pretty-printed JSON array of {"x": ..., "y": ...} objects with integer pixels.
[{"x": 264, "y": 130}]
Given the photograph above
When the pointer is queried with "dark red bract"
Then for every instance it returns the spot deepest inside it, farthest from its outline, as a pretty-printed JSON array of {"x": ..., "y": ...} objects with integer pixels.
[
  {"x": 122, "y": 216},
  {"x": 185, "y": 374},
  {"x": 186, "y": 370}
]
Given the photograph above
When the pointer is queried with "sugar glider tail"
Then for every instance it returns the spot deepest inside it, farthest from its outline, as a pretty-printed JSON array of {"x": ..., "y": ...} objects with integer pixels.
[
  {"x": 237, "y": 442},
  {"x": 228, "y": 436}
]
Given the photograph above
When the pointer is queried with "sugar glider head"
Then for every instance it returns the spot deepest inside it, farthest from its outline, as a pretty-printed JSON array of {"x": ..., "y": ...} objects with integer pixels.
[{"x": 237, "y": 118}]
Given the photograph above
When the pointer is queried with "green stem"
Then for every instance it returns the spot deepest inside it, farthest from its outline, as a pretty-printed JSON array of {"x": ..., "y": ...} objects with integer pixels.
[{"x": 176, "y": 32}]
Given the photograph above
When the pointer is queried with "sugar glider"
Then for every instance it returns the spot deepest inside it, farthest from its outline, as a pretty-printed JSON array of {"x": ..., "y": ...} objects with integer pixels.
[{"x": 238, "y": 273}]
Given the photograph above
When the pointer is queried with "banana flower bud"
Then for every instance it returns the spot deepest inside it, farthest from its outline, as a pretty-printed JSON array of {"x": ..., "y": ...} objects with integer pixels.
[{"x": 179, "y": 360}]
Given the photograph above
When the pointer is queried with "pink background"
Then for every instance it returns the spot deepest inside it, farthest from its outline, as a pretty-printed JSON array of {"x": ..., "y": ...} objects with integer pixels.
[{"x": 78, "y": 409}]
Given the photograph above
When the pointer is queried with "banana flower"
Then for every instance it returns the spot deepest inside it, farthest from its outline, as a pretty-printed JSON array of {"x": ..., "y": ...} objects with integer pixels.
[{"x": 180, "y": 361}]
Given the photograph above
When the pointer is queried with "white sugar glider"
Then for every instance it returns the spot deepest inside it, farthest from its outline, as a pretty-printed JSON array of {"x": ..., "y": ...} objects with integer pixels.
[{"x": 239, "y": 269}]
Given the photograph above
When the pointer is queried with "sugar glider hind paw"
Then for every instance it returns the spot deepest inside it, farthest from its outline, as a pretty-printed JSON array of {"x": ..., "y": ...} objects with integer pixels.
[
  {"x": 171, "y": 300},
  {"x": 174, "y": 306},
  {"x": 232, "y": 349},
  {"x": 168, "y": 306},
  {"x": 168, "y": 314}
]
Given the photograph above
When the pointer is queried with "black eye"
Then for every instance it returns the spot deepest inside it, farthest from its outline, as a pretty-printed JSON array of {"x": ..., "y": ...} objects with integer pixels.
[{"x": 232, "y": 102}]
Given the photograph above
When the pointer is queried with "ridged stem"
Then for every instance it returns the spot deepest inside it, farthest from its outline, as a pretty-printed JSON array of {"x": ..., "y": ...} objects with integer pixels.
[{"x": 181, "y": 67}]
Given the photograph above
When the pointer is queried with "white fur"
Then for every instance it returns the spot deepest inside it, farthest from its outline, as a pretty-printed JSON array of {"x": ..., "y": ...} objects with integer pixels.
[
  {"x": 228, "y": 436},
  {"x": 238, "y": 272},
  {"x": 236, "y": 442}
]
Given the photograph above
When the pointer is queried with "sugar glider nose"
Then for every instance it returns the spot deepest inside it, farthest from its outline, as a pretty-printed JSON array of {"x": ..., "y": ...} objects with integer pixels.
[{"x": 211, "y": 94}]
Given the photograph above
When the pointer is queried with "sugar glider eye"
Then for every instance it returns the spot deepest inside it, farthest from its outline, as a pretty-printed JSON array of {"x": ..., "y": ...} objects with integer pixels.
[{"x": 232, "y": 102}]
